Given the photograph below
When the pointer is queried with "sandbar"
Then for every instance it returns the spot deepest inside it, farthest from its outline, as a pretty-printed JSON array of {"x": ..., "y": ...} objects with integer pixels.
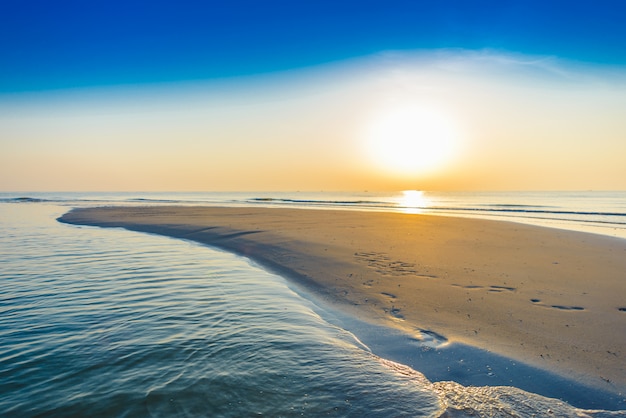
[{"x": 552, "y": 298}]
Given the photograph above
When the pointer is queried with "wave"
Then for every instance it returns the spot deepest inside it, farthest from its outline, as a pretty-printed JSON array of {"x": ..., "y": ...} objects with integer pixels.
[
  {"x": 313, "y": 201},
  {"x": 24, "y": 200},
  {"x": 497, "y": 208},
  {"x": 521, "y": 210},
  {"x": 148, "y": 200},
  {"x": 512, "y": 205}
]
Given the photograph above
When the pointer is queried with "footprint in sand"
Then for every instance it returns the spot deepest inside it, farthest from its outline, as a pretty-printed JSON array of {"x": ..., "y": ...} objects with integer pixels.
[
  {"x": 568, "y": 308},
  {"x": 395, "y": 312},
  {"x": 382, "y": 264},
  {"x": 427, "y": 339},
  {"x": 499, "y": 289},
  {"x": 560, "y": 307},
  {"x": 493, "y": 288}
]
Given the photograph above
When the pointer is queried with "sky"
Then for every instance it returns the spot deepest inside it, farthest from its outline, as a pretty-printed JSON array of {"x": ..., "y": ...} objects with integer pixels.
[{"x": 312, "y": 95}]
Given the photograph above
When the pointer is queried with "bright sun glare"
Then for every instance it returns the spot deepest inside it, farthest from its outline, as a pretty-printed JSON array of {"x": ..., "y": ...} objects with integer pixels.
[
  {"x": 411, "y": 140},
  {"x": 413, "y": 201}
]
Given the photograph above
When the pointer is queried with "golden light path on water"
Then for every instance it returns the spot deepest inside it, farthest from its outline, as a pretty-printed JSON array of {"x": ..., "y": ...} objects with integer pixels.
[{"x": 413, "y": 201}]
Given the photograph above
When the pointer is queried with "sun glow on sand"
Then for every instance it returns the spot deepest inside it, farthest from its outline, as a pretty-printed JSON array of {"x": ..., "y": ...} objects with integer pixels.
[{"x": 411, "y": 140}]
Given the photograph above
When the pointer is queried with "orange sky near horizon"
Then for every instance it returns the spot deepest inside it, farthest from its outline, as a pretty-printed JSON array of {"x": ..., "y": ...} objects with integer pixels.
[{"x": 512, "y": 122}]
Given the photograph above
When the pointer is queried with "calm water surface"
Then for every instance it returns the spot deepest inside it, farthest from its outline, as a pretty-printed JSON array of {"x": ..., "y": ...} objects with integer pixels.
[{"x": 114, "y": 323}]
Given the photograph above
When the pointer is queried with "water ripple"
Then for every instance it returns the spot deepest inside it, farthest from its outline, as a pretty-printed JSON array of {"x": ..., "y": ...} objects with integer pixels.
[{"x": 113, "y": 323}]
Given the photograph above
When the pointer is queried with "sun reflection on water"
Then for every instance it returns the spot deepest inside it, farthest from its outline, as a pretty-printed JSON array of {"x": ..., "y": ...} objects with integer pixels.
[{"x": 413, "y": 201}]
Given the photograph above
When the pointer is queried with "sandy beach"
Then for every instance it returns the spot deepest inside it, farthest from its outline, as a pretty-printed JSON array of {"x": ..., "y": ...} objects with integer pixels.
[{"x": 552, "y": 298}]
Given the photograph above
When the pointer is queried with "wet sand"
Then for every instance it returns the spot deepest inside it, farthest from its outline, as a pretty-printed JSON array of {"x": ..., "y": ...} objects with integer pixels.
[{"x": 551, "y": 298}]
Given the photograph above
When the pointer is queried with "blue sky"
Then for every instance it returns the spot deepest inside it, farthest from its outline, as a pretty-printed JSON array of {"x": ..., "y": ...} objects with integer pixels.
[
  {"x": 49, "y": 45},
  {"x": 312, "y": 95}
]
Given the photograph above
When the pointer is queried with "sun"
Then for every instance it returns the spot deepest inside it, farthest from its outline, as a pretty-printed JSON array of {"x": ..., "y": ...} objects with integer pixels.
[{"x": 411, "y": 140}]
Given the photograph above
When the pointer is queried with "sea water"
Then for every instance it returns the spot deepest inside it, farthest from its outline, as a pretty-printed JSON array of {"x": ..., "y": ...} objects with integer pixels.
[
  {"x": 101, "y": 322},
  {"x": 600, "y": 212},
  {"x": 107, "y": 322}
]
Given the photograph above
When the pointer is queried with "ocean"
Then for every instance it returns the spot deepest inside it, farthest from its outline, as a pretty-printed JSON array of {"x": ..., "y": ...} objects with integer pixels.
[
  {"x": 598, "y": 212},
  {"x": 108, "y": 322}
]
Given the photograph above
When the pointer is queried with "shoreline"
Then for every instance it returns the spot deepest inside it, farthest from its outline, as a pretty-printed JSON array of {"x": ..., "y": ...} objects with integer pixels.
[{"x": 516, "y": 290}]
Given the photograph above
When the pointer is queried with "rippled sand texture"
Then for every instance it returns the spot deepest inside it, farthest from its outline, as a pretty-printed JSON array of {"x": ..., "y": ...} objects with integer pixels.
[{"x": 555, "y": 299}]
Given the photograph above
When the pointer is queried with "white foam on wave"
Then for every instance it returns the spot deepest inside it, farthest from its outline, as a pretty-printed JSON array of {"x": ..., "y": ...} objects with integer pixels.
[{"x": 493, "y": 401}]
